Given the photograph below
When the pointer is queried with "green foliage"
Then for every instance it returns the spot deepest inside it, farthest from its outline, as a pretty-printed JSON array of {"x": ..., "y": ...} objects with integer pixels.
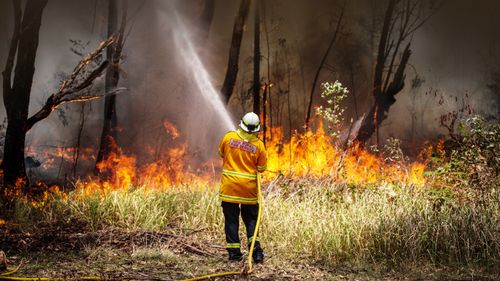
[
  {"x": 333, "y": 94},
  {"x": 473, "y": 160}
]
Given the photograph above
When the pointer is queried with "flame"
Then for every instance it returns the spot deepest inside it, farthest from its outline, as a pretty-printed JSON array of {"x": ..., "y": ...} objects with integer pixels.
[
  {"x": 171, "y": 129},
  {"x": 122, "y": 170},
  {"x": 51, "y": 157},
  {"x": 16, "y": 190},
  {"x": 312, "y": 154}
]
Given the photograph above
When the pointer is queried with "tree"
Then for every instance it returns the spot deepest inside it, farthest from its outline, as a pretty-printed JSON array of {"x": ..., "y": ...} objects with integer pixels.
[
  {"x": 234, "y": 51},
  {"x": 402, "y": 18},
  {"x": 113, "y": 54},
  {"x": 321, "y": 65},
  {"x": 256, "y": 59},
  {"x": 206, "y": 19},
  {"x": 267, "y": 84},
  {"x": 16, "y": 93},
  {"x": 17, "y": 90}
]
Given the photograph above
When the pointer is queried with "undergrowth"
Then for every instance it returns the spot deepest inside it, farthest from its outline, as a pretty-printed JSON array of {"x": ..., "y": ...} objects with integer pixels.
[{"x": 328, "y": 223}]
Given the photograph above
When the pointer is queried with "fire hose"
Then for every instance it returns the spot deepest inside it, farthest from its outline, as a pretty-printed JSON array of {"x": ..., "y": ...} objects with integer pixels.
[{"x": 247, "y": 268}]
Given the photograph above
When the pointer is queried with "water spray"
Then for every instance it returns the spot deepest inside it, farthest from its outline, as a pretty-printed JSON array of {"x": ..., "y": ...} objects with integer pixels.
[{"x": 197, "y": 70}]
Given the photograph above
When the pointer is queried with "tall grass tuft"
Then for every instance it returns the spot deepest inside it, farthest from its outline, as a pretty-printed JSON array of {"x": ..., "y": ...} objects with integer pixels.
[{"x": 326, "y": 222}]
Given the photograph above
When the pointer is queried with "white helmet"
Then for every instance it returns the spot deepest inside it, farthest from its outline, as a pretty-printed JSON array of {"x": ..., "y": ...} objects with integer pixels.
[{"x": 250, "y": 123}]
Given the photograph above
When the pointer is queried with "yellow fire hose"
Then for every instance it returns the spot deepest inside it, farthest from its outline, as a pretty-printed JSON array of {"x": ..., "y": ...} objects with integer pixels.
[{"x": 245, "y": 271}]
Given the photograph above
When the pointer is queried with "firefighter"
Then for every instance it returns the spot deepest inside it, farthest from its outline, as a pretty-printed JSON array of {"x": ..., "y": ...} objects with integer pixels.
[{"x": 243, "y": 156}]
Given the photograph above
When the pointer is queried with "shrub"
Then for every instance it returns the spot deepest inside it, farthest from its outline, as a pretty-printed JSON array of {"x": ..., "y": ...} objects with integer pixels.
[{"x": 473, "y": 159}]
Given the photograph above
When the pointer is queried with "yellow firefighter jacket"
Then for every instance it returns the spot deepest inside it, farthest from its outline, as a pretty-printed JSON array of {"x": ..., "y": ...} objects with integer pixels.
[{"x": 243, "y": 156}]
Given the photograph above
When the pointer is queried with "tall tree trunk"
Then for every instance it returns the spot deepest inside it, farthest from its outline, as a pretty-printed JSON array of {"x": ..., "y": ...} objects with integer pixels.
[
  {"x": 76, "y": 154},
  {"x": 267, "y": 89},
  {"x": 353, "y": 90},
  {"x": 385, "y": 94},
  {"x": 321, "y": 64},
  {"x": 288, "y": 92},
  {"x": 264, "y": 114},
  {"x": 113, "y": 54},
  {"x": 234, "y": 51},
  {"x": 16, "y": 97},
  {"x": 256, "y": 59}
]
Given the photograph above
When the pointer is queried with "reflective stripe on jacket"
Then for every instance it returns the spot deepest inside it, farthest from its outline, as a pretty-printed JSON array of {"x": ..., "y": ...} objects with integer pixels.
[{"x": 243, "y": 156}]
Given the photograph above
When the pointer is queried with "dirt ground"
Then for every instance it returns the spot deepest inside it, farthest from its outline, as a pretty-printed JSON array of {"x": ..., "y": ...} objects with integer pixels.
[{"x": 71, "y": 251}]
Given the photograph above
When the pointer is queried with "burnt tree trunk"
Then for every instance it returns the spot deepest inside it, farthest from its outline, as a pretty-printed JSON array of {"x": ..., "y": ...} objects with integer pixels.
[
  {"x": 113, "y": 54},
  {"x": 383, "y": 102},
  {"x": 17, "y": 95},
  {"x": 256, "y": 59},
  {"x": 267, "y": 87},
  {"x": 234, "y": 51},
  {"x": 264, "y": 114},
  {"x": 76, "y": 154},
  {"x": 384, "y": 92}
]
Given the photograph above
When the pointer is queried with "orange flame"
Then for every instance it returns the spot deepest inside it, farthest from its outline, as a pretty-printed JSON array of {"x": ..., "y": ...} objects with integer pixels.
[
  {"x": 171, "y": 129},
  {"x": 310, "y": 154},
  {"x": 313, "y": 154}
]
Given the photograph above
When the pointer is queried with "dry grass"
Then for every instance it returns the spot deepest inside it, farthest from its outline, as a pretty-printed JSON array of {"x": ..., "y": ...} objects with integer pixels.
[{"x": 325, "y": 223}]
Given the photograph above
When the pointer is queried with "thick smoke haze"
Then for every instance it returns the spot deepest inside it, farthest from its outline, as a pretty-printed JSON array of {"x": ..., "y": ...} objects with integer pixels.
[{"x": 456, "y": 52}]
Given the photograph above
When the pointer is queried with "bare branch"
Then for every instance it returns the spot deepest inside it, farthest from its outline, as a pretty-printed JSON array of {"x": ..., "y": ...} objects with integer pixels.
[
  {"x": 118, "y": 45},
  {"x": 78, "y": 81},
  {"x": 91, "y": 97},
  {"x": 410, "y": 15},
  {"x": 132, "y": 20},
  {"x": 388, "y": 50},
  {"x": 424, "y": 20},
  {"x": 92, "y": 57},
  {"x": 397, "y": 83},
  {"x": 93, "y": 75},
  {"x": 382, "y": 48}
]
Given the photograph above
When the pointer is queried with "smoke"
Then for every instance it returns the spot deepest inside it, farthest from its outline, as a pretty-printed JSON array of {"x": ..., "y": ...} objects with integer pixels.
[
  {"x": 455, "y": 52},
  {"x": 173, "y": 81},
  {"x": 452, "y": 53}
]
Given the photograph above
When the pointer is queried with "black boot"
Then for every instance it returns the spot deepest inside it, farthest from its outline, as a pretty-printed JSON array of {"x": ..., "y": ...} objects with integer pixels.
[
  {"x": 258, "y": 253},
  {"x": 235, "y": 254}
]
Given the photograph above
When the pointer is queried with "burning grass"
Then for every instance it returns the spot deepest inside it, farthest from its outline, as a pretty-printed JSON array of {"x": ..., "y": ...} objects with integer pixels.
[{"x": 313, "y": 155}]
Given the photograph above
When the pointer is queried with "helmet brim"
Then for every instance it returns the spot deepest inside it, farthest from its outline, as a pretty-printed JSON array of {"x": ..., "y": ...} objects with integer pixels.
[{"x": 245, "y": 128}]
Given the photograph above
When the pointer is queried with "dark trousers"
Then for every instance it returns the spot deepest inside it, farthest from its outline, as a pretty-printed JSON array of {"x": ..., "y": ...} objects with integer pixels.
[{"x": 249, "y": 215}]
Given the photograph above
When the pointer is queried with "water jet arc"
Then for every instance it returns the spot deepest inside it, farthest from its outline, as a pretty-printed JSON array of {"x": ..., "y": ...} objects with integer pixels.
[{"x": 198, "y": 72}]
